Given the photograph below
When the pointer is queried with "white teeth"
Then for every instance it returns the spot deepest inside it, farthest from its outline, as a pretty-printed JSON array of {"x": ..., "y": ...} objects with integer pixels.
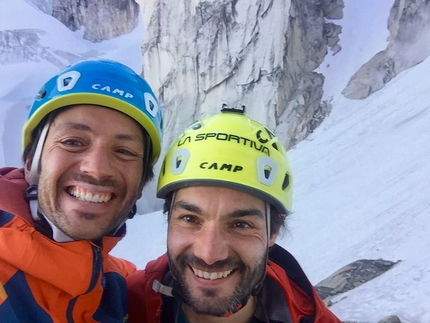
[
  {"x": 211, "y": 276},
  {"x": 88, "y": 197}
]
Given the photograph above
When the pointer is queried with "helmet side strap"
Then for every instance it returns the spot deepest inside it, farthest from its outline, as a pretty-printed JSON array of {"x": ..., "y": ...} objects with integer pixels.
[
  {"x": 268, "y": 223},
  {"x": 34, "y": 168},
  {"x": 147, "y": 156},
  {"x": 171, "y": 205}
]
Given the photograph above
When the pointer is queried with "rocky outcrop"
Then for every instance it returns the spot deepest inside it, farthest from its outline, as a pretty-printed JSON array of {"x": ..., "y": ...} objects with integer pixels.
[
  {"x": 261, "y": 54},
  {"x": 352, "y": 276},
  {"x": 44, "y": 5},
  {"x": 409, "y": 45},
  {"x": 97, "y": 19},
  {"x": 19, "y": 46},
  {"x": 23, "y": 45},
  {"x": 388, "y": 319}
]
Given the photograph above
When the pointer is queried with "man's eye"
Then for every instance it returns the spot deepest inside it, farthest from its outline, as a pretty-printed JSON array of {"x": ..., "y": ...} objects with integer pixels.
[
  {"x": 189, "y": 219},
  {"x": 126, "y": 152},
  {"x": 71, "y": 142},
  {"x": 242, "y": 225}
]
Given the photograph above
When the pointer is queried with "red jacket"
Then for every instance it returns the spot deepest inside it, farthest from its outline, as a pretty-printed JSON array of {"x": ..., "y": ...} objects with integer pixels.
[
  {"x": 301, "y": 299},
  {"x": 43, "y": 281}
]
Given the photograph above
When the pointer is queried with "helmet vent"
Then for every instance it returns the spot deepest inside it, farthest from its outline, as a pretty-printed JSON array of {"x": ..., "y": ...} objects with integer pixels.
[
  {"x": 267, "y": 169},
  {"x": 151, "y": 104},
  {"x": 163, "y": 168},
  {"x": 179, "y": 160},
  {"x": 66, "y": 81},
  {"x": 41, "y": 94},
  {"x": 286, "y": 181},
  {"x": 196, "y": 126}
]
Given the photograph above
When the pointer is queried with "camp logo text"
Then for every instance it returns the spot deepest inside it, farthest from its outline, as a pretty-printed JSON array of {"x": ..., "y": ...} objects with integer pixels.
[
  {"x": 107, "y": 88},
  {"x": 224, "y": 166}
]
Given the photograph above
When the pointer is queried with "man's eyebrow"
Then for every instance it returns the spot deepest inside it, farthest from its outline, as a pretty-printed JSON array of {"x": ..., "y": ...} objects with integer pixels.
[
  {"x": 84, "y": 127},
  {"x": 73, "y": 125},
  {"x": 235, "y": 214},
  {"x": 247, "y": 212},
  {"x": 187, "y": 206},
  {"x": 129, "y": 137}
]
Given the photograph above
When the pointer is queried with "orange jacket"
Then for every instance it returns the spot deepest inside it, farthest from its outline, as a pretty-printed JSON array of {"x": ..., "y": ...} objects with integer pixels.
[
  {"x": 301, "y": 299},
  {"x": 43, "y": 281}
]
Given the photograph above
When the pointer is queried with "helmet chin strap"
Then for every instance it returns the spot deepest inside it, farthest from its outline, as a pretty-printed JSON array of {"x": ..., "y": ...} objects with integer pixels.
[
  {"x": 31, "y": 192},
  {"x": 258, "y": 287},
  {"x": 146, "y": 162}
]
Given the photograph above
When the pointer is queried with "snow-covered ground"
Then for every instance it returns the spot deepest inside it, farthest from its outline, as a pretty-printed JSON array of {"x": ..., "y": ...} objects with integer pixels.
[{"x": 361, "y": 179}]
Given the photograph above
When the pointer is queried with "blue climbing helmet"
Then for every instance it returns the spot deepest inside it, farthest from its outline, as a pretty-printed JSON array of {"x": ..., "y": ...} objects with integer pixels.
[{"x": 100, "y": 82}]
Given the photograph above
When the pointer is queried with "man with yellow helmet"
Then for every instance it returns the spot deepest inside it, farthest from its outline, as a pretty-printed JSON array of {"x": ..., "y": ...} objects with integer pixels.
[
  {"x": 227, "y": 186},
  {"x": 90, "y": 142}
]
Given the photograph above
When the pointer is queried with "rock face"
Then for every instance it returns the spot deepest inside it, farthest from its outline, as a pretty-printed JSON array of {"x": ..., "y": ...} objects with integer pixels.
[
  {"x": 24, "y": 45},
  {"x": 99, "y": 19},
  {"x": 352, "y": 276},
  {"x": 409, "y": 45},
  {"x": 20, "y": 46},
  {"x": 388, "y": 319},
  {"x": 261, "y": 54},
  {"x": 43, "y": 5}
]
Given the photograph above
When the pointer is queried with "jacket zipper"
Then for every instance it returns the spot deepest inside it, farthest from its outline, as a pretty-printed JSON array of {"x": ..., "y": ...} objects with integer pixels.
[{"x": 97, "y": 269}]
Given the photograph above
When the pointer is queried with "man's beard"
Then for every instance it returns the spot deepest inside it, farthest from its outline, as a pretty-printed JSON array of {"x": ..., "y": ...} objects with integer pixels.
[
  {"x": 210, "y": 303},
  {"x": 53, "y": 209}
]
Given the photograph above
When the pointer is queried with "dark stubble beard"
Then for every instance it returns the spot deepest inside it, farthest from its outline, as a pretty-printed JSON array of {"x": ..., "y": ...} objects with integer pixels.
[
  {"x": 211, "y": 304},
  {"x": 58, "y": 216}
]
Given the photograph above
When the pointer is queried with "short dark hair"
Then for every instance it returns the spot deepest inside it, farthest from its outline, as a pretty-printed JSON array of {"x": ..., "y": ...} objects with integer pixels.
[
  {"x": 30, "y": 149},
  {"x": 277, "y": 220}
]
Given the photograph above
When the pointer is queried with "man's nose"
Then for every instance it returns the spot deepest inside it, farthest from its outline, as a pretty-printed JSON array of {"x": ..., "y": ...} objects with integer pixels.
[
  {"x": 97, "y": 162},
  {"x": 211, "y": 244}
]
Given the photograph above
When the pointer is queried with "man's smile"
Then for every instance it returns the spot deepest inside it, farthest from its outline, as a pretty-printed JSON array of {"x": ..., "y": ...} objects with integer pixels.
[
  {"x": 87, "y": 196},
  {"x": 211, "y": 275}
]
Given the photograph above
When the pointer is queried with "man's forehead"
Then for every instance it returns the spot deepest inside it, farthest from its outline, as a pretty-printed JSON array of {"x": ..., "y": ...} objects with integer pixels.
[
  {"x": 207, "y": 197},
  {"x": 88, "y": 111},
  {"x": 87, "y": 117}
]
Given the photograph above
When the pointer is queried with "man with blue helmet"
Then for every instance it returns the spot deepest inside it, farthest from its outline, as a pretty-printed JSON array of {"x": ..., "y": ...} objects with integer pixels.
[{"x": 90, "y": 143}]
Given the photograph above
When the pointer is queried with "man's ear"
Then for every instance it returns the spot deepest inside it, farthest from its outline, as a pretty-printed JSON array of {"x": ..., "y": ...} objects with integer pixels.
[
  {"x": 273, "y": 237},
  {"x": 27, "y": 167}
]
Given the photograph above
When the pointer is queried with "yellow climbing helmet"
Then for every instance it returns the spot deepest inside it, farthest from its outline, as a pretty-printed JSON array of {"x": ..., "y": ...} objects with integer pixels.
[{"x": 230, "y": 150}]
